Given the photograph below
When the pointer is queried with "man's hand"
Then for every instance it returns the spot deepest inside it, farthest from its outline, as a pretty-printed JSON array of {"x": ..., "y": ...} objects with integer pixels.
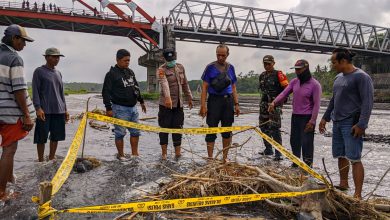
[
  {"x": 309, "y": 128},
  {"x": 41, "y": 114},
  {"x": 203, "y": 111},
  {"x": 357, "y": 132},
  {"x": 143, "y": 107},
  {"x": 67, "y": 116},
  {"x": 237, "y": 109},
  {"x": 271, "y": 107},
  {"x": 28, "y": 124},
  {"x": 168, "y": 102},
  {"x": 190, "y": 104},
  {"x": 322, "y": 126},
  {"x": 109, "y": 113}
]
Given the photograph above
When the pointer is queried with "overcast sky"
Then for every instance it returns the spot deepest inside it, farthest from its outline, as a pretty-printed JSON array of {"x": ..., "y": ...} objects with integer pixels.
[{"x": 88, "y": 56}]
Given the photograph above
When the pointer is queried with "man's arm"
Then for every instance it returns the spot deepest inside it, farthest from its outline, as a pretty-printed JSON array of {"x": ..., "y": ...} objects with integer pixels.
[
  {"x": 366, "y": 91},
  {"x": 106, "y": 92},
  {"x": 203, "y": 96},
  {"x": 317, "y": 92},
  {"x": 21, "y": 97},
  {"x": 329, "y": 110},
  {"x": 186, "y": 89},
  {"x": 283, "y": 95},
  {"x": 163, "y": 81},
  {"x": 35, "y": 90},
  {"x": 235, "y": 98}
]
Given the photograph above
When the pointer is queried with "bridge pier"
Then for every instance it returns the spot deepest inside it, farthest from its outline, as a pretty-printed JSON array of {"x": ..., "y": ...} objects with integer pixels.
[
  {"x": 379, "y": 70},
  {"x": 153, "y": 59}
]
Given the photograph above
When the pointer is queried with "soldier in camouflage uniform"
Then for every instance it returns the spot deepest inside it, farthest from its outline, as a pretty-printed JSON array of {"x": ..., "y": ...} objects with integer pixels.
[{"x": 271, "y": 83}]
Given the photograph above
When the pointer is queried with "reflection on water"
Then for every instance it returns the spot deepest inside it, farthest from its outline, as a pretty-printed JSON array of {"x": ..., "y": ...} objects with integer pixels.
[{"x": 117, "y": 182}]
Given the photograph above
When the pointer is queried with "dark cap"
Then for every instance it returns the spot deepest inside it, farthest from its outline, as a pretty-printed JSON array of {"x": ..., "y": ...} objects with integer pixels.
[
  {"x": 16, "y": 30},
  {"x": 169, "y": 54},
  {"x": 52, "y": 51},
  {"x": 268, "y": 59},
  {"x": 300, "y": 64},
  {"x": 122, "y": 53}
]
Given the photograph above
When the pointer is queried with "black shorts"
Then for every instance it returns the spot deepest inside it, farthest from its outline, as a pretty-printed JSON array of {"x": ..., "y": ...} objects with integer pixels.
[
  {"x": 219, "y": 109},
  {"x": 54, "y": 124}
]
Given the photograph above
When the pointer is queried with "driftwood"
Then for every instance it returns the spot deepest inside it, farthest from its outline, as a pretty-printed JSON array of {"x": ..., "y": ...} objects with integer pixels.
[{"x": 233, "y": 178}]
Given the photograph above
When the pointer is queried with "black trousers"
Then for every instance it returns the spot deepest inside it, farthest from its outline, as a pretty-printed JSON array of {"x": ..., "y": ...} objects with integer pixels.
[
  {"x": 300, "y": 139},
  {"x": 170, "y": 118},
  {"x": 220, "y": 108}
]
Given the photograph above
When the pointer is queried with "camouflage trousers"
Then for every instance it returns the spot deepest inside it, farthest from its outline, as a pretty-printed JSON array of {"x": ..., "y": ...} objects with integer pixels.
[{"x": 270, "y": 124}]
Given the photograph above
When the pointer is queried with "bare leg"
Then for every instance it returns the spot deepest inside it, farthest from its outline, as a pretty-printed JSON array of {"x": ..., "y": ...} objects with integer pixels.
[
  {"x": 41, "y": 152},
  {"x": 358, "y": 178},
  {"x": 210, "y": 149},
  {"x": 226, "y": 143},
  {"x": 343, "y": 170},
  {"x": 178, "y": 151},
  {"x": 119, "y": 147},
  {"x": 53, "y": 149},
  {"x": 6, "y": 166},
  {"x": 164, "y": 150},
  {"x": 134, "y": 145}
]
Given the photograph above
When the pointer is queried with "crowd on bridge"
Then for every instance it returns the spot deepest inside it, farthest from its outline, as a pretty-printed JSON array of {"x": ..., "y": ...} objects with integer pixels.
[
  {"x": 349, "y": 108},
  {"x": 52, "y": 7}
]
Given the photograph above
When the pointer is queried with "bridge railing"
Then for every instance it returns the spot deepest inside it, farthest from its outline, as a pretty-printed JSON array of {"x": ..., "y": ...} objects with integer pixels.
[
  {"x": 253, "y": 24},
  {"x": 55, "y": 9}
]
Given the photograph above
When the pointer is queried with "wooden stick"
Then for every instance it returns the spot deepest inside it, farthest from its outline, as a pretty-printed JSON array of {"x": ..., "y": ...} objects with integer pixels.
[
  {"x": 45, "y": 190},
  {"x": 193, "y": 177}
]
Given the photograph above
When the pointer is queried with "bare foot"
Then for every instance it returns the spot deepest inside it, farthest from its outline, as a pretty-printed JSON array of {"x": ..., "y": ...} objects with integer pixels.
[
  {"x": 164, "y": 157},
  {"x": 8, "y": 196},
  {"x": 358, "y": 197}
]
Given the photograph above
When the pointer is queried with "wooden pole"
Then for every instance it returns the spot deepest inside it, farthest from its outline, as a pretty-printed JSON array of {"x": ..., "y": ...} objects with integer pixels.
[{"x": 45, "y": 189}]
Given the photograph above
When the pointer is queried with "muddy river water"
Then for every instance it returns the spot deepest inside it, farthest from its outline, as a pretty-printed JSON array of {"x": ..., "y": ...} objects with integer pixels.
[{"x": 118, "y": 182}]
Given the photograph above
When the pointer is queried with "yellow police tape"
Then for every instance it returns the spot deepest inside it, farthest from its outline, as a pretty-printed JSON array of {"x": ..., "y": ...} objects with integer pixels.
[
  {"x": 175, "y": 204},
  {"x": 144, "y": 127},
  {"x": 63, "y": 172},
  {"x": 150, "y": 128},
  {"x": 293, "y": 158},
  {"x": 67, "y": 165}
]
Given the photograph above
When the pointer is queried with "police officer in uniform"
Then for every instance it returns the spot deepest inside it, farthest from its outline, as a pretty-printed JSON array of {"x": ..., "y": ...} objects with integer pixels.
[
  {"x": 271, "y": 83},
  {"x": 173, "y": 84}
]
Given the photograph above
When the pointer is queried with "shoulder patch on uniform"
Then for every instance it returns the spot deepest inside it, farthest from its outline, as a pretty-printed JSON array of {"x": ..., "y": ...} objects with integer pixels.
[
  {"x": 282, "y": 79},
  {"x": 161, "y": 73}
]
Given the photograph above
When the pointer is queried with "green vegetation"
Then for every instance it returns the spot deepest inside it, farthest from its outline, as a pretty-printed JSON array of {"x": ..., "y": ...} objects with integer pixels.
[
  {"x": 150, "y": 96},
  {"x": 247, "y": 84}
]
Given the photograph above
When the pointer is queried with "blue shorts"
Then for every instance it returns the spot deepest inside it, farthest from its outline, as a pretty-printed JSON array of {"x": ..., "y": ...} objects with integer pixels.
[
  {"x": 127, "y": 114},
  {"x": 344, "y": 145}
]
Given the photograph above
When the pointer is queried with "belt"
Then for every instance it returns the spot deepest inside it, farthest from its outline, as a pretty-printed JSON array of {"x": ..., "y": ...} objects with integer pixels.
[{"x": 224, "y": 96}]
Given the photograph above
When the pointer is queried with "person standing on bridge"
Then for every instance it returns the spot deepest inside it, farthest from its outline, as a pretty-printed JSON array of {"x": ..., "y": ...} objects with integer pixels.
[
  {"x": 49, "y": 103},
  {"x": 219, "y": 81},
  {"x": 173, "y": 83},
  {"x": 120, "y": 95},
  {"x": 306, "y": 105},
  {"x": 271, "y": 84},
  {"x": 350, "y": 110},
  {"x": 15, "y": 104}
]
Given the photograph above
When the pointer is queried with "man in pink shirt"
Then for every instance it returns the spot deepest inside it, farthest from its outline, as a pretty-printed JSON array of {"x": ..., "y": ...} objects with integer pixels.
[{"x": 306, "y": 105}]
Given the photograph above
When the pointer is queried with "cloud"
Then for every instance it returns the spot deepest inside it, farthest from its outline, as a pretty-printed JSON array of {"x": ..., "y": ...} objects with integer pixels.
[{"x": 89, "y": 57}]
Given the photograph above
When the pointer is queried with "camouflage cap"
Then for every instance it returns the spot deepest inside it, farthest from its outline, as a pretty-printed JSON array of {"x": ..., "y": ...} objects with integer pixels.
[{"x": 268, "y": 59}]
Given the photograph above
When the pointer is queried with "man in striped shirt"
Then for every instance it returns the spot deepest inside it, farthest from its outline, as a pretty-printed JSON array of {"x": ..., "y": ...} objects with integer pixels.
[{"x": 15, "y": 104}]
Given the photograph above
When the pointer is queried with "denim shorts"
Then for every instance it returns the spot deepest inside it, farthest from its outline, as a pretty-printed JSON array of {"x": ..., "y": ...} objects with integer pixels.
[
  {"x": 344, "y": 144},
  {"x": 128, "y": 114}
]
